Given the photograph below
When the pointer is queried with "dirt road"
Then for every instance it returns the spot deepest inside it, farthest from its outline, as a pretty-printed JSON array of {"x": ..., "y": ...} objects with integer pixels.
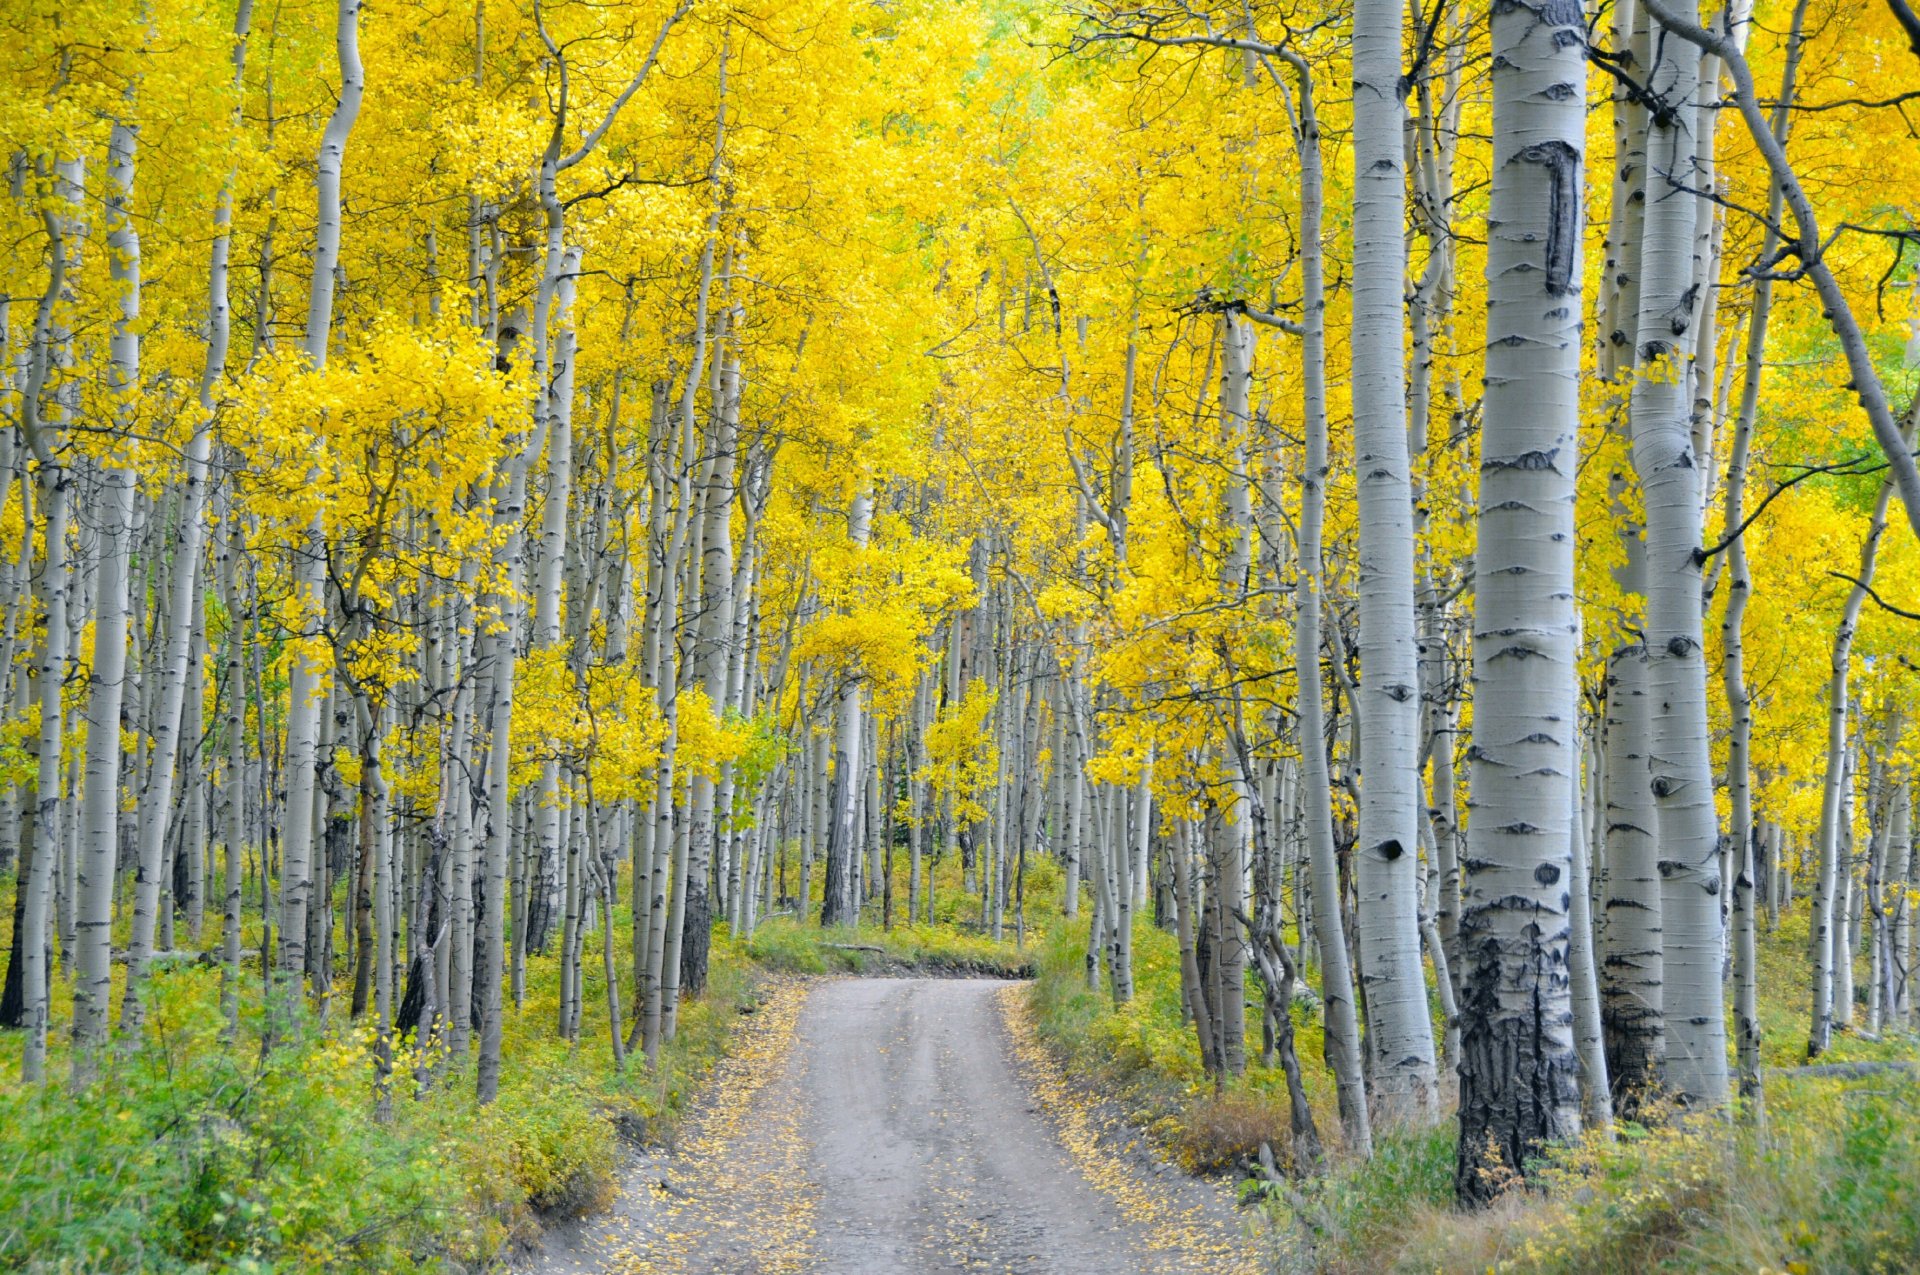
[{"x": 900, "y": 1125}]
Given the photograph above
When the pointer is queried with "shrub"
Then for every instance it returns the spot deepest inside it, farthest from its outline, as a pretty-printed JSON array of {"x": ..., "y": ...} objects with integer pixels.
[{"x": 1218, "y": 1132}]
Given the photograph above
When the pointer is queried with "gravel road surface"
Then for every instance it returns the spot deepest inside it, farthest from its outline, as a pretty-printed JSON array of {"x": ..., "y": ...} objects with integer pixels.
[{"x": 870, "y": 1126}]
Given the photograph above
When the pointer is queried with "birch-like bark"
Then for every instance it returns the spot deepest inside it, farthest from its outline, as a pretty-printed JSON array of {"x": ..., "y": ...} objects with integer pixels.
[
  {"x": 1336, "y": 973},
  {"x": 1596, "y": 1089},
  {"x": 671, "y": 836},
  {"x": 838, "y": 906},
  {"x": 42, "y": 853},
  {"x": 114, "y": 518},
  {"x": 1900, "y": 873},
  {"x": 1519, "y": 1072},
  {"x": 235, "y": 831},
  {"x": 1740, "y": 825},
  {"x": 1664, "y": 460},
  {"x": 1746, "y": 836},
  {"x": 306, "y": 693},
  {"x": 708, "y": 814},
  {"x": 1827, "y": 927},
  {"x": 1843, "y": 913},
  {"x": 1386, "y": 857},
  {"x": 1632, "y": 970},
  {"x": 156, "y": 799},
  {"x": 510, "y": 506},
  {"x": 1682, "y": 20}
]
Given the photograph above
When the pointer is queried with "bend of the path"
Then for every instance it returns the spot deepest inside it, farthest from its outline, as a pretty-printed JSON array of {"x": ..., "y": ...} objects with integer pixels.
[{"x": 873, "y": 1126}]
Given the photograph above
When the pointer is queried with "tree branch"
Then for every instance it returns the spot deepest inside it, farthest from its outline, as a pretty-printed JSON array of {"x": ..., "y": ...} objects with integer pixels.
[
  {"x": 1838, "y": 467},
  {"x": 1882, "y": 602}
]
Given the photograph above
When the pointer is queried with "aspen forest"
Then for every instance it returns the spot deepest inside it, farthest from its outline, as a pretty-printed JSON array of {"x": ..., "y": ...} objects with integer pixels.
[{"x": 1249, "y": 636}]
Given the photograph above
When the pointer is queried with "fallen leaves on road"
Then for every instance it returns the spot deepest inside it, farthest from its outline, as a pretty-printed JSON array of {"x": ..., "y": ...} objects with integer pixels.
[{"x": 1187, "y": 1236}]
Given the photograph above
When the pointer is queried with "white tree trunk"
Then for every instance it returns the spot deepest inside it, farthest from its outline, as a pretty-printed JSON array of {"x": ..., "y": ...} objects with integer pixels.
[
  {"x": 53, "y": 589},
  {"x": 1519, "y": 1072},
  {"x": 1316, "y": 787},
  {"x": 1386, "y": 857},
  {"x": 1827, "y": 928},
  {"x": 838, "y": 905},
  {"x": 306, "y": 682},
  {"x": 114, "y": 519},
  {"x": 1663, "y": 458}
]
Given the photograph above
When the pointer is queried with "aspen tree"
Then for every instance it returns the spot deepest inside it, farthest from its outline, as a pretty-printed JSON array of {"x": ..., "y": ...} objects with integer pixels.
[
  {"x": 1828, "y": 927},
  {"x": 710, "y": 798},
  {"x": 306, "y": 689},
  {"x": 1682, "y": 20},
  {"x": 1316, "y": 788},
  {"x": 113, "y": 514},
  {"x": 1518, "y": 1066},
  {"x": 40, "y": 852},
  {"x": 1386, "y": 858},
  {"x": 1680, "y": 773},
  {"x": 156, "y": 799},
  {"x": 838, "y": 906}
]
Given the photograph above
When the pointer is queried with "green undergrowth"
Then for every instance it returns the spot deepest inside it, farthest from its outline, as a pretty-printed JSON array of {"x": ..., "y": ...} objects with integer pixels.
[
  {"x": 1146, "y": 1056},
  {"x": 192, "y": 1154},
  {"x": 956, "y": 940},
  {"x": 1829, "y": 1182},
  {"x": 799, "y": 947}
]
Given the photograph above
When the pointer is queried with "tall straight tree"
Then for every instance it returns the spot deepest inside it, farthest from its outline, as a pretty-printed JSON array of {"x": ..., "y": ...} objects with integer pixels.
[
  {"x": 838, "y": 906},
  {"x": 1386, "y": 862},
  {"x": 1680, "y": 768},
  {"x": 1519, "y": 1074},
  {"x": 114, "y": 513},
  {"x": 306, "y": 694},
  {"x": 41, "y": 850}
]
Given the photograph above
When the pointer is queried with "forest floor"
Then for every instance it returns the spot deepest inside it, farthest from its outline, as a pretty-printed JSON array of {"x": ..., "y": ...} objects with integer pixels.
[{"x": 900, "y": 1124}]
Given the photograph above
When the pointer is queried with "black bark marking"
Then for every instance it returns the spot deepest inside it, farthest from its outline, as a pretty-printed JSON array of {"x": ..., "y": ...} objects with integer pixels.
[
  {"x": 1563, "y": 206},
  {"x": 1526, "y": 462}
]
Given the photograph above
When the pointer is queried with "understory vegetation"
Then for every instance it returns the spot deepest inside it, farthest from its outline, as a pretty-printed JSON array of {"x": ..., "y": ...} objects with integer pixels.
[
  {"x": 193, "y": 1155},
  {"x": 1824, "y": 1184},
  {"x": 269, "y": 1151}
]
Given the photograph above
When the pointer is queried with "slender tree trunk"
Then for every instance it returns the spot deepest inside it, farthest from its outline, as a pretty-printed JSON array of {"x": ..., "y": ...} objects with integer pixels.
[
  {"x": 1336, "y": 974},
  {"x": 1386, "y": 857},
  {"x": 306, "y": 691},
  {"x": 1668, "y": 470},
  {"x": 1519, "y": 1069},
  {"x": 838, "y": 906},
  {"x": 41, "y": 851},
  {"x": 235, "y": 833},
  {"x": 1827, "y": 927},
  {"x": 114, "y": 515}
]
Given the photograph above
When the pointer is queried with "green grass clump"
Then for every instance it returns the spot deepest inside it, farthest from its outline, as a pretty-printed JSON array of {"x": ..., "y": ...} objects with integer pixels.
[
  {"x": 186, "y": 1155},
  {"x": 799, "y": 947},
  {"x": 1145, "y": 1054},
  {"x": 193, "y": 1153}
]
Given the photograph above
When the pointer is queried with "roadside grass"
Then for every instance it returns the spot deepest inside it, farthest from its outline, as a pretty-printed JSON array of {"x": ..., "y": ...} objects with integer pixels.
[
  {"x": 1829, "y": 1183},
  {"x": 188, "y": 1154},
  {"x": 956, "y": 941},
  {"x": 800, "y": 947},
  {"x": 1144, "y": 1055}
]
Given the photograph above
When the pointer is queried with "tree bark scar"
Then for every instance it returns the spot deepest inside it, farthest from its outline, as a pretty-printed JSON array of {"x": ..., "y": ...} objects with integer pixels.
[{"x": 1563, "y": 223}]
